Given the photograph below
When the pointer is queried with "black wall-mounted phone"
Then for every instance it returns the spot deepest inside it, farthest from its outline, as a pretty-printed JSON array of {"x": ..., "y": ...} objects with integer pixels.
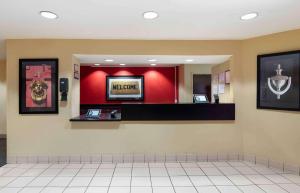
[{"x": 64, "y": 88}]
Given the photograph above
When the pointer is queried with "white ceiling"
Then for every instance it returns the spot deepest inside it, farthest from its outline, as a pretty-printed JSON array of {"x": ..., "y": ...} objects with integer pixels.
[
  {"x": 122, "y": 19},
  {"x": 142, "y": 60}
]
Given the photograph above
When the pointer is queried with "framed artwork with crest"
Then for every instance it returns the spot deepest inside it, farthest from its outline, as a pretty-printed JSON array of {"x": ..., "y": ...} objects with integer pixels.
[
  {"x": 38, "y": 86},
  {"x": 278, "y": 81}
]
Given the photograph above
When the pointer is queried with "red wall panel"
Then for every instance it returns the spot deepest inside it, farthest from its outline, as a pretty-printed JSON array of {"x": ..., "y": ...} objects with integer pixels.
[{"x": 160, "y": 85}]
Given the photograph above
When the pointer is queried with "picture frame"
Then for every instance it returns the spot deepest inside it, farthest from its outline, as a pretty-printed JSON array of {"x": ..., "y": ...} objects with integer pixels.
[
  {"x": 221, "y": 83},
  {"x": 227, "y": 77},
  {"x": 76, "y": 71},
  {"x": 38, "y": 86},
  {"x": 278, "y": 81},
  {"x": 215, "y": 84},
  {"x": 124, "y": 88}
]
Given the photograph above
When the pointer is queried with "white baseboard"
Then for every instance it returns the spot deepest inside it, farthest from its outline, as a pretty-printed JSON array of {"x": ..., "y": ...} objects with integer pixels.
[{"x": 125, "y": 158}]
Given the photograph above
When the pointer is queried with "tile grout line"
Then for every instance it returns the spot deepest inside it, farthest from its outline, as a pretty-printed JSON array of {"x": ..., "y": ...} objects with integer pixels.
[
  {"x": 245, "y": 175},
  {"x": 9, "y": 169},
  {"x": 33, "y": 178},
  {"x": 111, "y": 178},
  {"x": 209, "y": 178},
  {"x": 131, "y": 176},
  {"x": 71, "y": 179},
  {"x": 189, "y": 177},
  {"x": 213, "y": 184},
  {"x": 282, "y": 183},
  {"x": 16, "y": 177},
  {"x": 92, "y": 178},
  {"x": 227, "y": 177},
  {"x": 5, "y": 173},
  {"x": 263, "y": 175},
  {"x": 169, "y": 177},
  {"x": 61, "y": 169},
  {"x": 270, "y": 174},
  {"x": 150, "y": 177}
]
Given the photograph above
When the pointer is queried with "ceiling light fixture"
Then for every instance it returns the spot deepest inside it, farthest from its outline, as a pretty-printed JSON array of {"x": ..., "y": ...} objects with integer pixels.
[
  {"x": 48, "y": 15},
  {"x": 150, "y": 15},
  {"x": 122, "y": 64},
  {"x": 97, "y": 64},
  {"x": 152, "y": 60},
  {"x": 108, "y": 60},
  {"x": 153, "y": 64},
  {"x": 249, "y": 16},
  {"x": 189, "y": 60}
]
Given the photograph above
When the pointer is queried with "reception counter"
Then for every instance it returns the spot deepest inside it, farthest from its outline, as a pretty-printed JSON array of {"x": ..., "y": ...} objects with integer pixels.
[{"x": 159, "y": 112}]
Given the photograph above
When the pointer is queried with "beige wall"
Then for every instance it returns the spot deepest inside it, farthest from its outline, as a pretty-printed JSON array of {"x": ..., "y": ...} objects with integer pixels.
[
  {"x": 55, "y": 135},
  {"x": 273, "y": 134},
  {"x": 2, "y": 97},
  {"x": 227, "y": 96},
  {"x": 186, "y": 72}
]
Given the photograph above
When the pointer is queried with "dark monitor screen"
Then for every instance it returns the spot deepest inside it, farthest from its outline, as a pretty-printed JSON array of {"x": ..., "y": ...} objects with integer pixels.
[
  {"x": 200, "y": 98},
  {"x": 93, "y": 113}
]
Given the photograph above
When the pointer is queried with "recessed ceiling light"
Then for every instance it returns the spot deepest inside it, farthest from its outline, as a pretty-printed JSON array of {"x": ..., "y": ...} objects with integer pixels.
[
  {"x": 122, "y": 64},
  {"x": 108, "y": 60},
  {"x": 97, "y": 64},
  {"x": 189, "y": 60},
  {"x": 152, "y": 60},
  {"x": 153, "y": 64},
  {"x": 48, "y": 15},
  {"x": 249, "y": 16},
  {"x": 150, "y": 15}
]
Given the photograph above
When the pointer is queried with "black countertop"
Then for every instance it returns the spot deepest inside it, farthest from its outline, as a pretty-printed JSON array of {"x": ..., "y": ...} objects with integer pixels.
[{"x": 160, "y": 112}]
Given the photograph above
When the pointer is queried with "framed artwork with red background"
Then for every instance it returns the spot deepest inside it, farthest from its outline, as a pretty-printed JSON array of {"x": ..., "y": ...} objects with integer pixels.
[{"x": 38, "y": 86}]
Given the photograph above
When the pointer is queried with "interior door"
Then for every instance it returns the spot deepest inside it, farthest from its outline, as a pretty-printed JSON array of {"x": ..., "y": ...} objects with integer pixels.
[{"x": 202, "y": 84}]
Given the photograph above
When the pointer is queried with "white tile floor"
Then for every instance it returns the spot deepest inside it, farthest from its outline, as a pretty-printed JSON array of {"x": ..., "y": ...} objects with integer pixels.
[{"x": 201, "y": 177}]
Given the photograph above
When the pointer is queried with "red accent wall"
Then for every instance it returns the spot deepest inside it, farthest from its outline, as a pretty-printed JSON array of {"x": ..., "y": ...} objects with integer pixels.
[{"x": 160, "y": 83}]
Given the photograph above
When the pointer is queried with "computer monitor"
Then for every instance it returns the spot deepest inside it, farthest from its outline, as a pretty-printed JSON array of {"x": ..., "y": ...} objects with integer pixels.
[
  {"x": 93, "y": 113},
  {"x": 200, "y": 98}
]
